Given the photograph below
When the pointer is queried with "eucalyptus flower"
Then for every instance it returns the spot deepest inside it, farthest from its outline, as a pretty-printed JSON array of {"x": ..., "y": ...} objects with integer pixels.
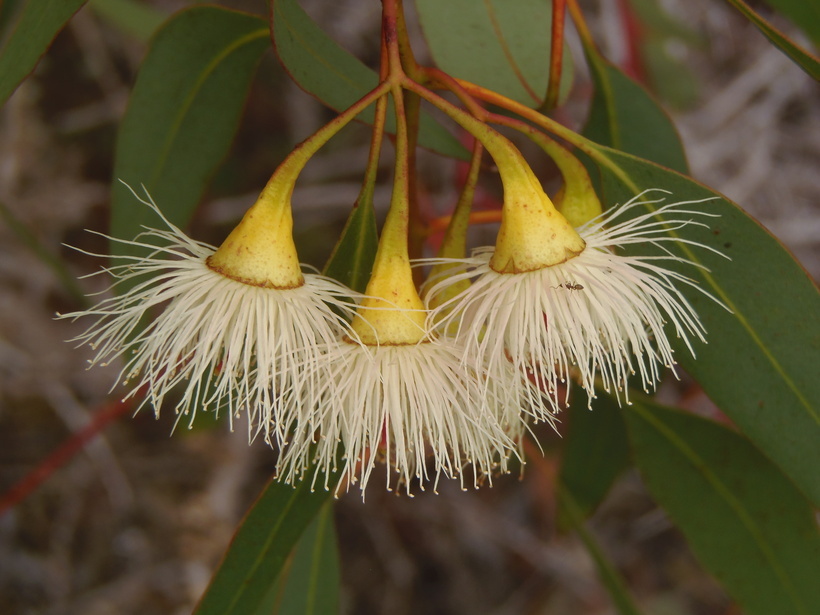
[
  {"x": 239, "y": 328},
  {"x": 418, "y": 408},
  {"x": 595, "y": 313}
]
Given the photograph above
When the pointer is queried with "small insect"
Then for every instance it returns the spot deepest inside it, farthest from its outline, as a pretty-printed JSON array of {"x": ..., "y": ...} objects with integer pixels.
[{"x": 570, "y": 286}]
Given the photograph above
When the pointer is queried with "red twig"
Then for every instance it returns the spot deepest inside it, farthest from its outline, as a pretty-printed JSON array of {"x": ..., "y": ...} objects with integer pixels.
[
  {"x": 63, "y": 454},
  {"x": 633, "y": 32},
  {"x": 559, "y": 8}
]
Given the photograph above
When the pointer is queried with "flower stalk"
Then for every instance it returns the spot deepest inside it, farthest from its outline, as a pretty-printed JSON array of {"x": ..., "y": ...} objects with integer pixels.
[
  {"x": 556, "y": 55},
  {"x": 260, "y": 250},
  {"x": 392, "y": 312},
  {"x": 533, "y": 233}
]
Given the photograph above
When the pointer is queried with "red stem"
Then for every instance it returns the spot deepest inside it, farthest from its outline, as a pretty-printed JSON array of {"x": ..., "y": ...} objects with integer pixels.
[
  {"x": 489, "y": 216},
  {"x": 633, "y": 32},
  {"x": 559, "y": 8},
  {"x": 63, "y": 454}
]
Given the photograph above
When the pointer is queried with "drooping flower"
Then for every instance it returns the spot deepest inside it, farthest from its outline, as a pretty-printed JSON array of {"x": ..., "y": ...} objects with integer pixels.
[
  {"x": 239, "y": 328},
  {"x": 399, "y": 404},
  {"x": 594, "y": 314},
  {"x": 398, "y": 394}
]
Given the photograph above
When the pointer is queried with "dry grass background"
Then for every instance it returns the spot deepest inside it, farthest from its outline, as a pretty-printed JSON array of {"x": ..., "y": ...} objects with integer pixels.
[{"x": 136, "y": 522}]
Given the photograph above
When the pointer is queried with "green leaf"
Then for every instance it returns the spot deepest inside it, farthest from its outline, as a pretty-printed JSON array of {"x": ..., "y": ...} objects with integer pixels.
[
  {"x": 805, "y": 60},
  {"x": 662, "y": 36},
  {"x": 623, "y": 115},
  {"x": 9, "y": 10},
  {"x": 39, "y": 22},
  {"x": 805, "y": 14},
  {"x": 596, "y": 451},
  {"x": 674, "y": 82},
  {"x": 183, "y": 113},
  {"x": 136, "y": 18},
  {"x": 570, "y": 510},
  {"x": 352, "y": 260},
  {"x": 502, "y": 45},
  {"x": 323, "y": 69},
  {"x": 260, "y": 549},
  {"x": 310, "y": 585},
  {"x": 744, "y": 520},
  {"x": 760, "y": 365}
]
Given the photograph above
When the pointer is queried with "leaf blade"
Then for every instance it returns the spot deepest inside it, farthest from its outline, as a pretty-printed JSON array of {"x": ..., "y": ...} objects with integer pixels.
[
  {"x": 596, "y": 452},
  {"x": 624, "y": 116},
  {"x": 803, "y": 13},
  {"x": 132, "y": 17},
  {"x": 805, "y": 60},
  {"x": 312, "y": 586},
  {"x": 183, "y": 112},
  {"x": 502, "y": 46},
  {"x": 760, "y": 370},
  {"x": 260, "y": 548},
  {"x": 40, "y": 21},
  {"x": 745, "y": 521}
]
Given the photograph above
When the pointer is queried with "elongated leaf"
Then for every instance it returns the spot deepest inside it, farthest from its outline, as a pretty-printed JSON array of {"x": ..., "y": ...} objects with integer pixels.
[
  {"x": 260, "y": 548},
  {"x": 623, "y": 115},
  {"x": 310, "y": 586},
  {"x": 745, "y": 521},
  {"x": 661, "y": 37},
  {"x": 183, "y": 112},
  {"x": 353, "y": 258},
  {"x": 40, "y": 21},
  {"x": 760, "y": 365},
  {"x": 804, "y": 13},
  {"x": 325, "y": 70},
  {"x": 618, "y": 117},
  {"x": 571, "y": 511},
  {"x": 9, "y": 10},
  {"x": 502, "y": 45},
  {"x": 596, "y": 451},
  {"x": 132, "y": 16},
  {"x": 805, "y": 60}
]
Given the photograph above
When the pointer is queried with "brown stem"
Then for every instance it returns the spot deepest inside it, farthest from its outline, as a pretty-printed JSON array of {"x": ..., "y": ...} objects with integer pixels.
[
  {"x": 408, "y": 58},
  {"x": 397, "y": 221}
]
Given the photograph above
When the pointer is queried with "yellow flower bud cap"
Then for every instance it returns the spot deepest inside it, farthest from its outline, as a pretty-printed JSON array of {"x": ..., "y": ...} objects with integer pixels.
[
  {"x": 392, "y": 313},
  {"x": 260, "y": 250},
  {"x": 533, "y": 234}
]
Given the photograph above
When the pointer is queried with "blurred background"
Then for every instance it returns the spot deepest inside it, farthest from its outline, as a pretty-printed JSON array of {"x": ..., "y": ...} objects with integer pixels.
[{"x": 137, "y": 520}]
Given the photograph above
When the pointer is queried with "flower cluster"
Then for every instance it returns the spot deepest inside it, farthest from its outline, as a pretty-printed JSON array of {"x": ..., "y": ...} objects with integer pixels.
[
  {"x": 456, "y": 380},
  {"x": 444, "y": 386}
]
